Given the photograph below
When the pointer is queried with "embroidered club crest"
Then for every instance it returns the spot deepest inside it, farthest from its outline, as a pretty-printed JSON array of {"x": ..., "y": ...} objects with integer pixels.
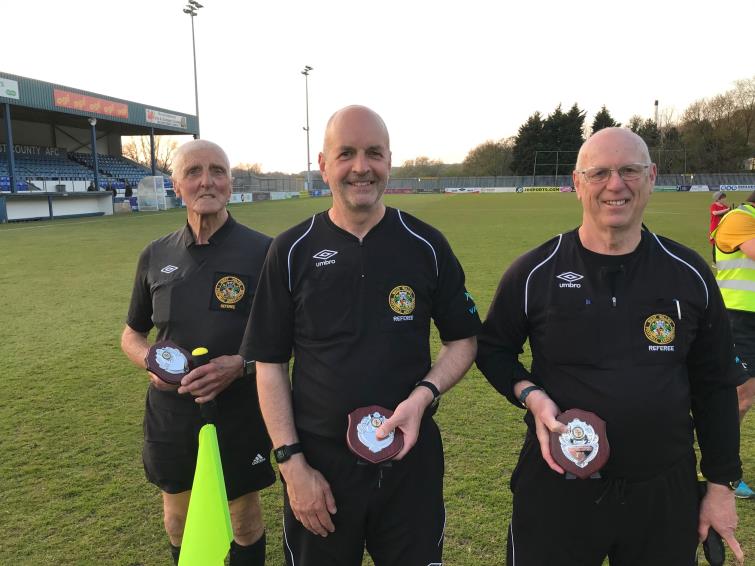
[
  {"x": 401, "y": 299},
  {"x": 660, "y": 329},
  {"x": 230, "y": 290}
]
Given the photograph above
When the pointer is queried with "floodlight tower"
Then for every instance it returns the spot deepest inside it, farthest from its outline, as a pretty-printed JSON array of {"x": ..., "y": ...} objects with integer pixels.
[
  {"x": 191, "y": 9},
  {"x": 93, "y": 123},
  {"x": 305, "y": 72}
]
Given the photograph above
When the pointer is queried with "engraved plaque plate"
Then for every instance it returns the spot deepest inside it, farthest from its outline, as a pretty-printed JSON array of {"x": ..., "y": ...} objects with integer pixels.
[
  {"x": 361, "y": 439},
  {"x": 168, "y": 361},
  {"x": 583, "y": 450}
]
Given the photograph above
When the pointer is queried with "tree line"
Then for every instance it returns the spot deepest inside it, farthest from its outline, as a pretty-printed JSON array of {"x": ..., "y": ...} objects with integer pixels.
[{"x": 712, "y": 135}]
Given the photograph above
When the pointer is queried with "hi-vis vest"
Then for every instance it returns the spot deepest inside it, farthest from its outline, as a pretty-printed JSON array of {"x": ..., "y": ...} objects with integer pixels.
[{"x": 736, "y": 271}]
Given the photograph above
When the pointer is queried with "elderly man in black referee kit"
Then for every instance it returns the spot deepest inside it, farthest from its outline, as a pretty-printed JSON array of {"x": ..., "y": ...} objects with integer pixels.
[
  {"x": 629, "y": 326},
  {"x": 195, "y": 286},
  {"x": 351, "y": 291}
]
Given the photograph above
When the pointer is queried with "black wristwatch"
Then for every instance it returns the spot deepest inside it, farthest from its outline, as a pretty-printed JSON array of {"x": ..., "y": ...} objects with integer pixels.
[
  {"x": 433, "y": 389},
  {"x": 525, "y": 393},
  {"x": 284, "y": 453},
  {"x": 247, "y": 368}
]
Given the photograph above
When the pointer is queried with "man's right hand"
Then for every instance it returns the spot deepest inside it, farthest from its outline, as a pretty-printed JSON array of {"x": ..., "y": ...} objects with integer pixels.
[
  {"x": 158, "y": 383},
  {"x": 545, "y": 411},
  {"x": 309, "y": 495}
]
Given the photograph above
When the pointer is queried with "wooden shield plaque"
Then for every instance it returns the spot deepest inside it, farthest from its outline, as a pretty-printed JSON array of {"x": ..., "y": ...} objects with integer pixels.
[
  {"x": 583, "y": 450},
  {"x": 360, "y": 436},
  {"x": 168, "y": 361}
]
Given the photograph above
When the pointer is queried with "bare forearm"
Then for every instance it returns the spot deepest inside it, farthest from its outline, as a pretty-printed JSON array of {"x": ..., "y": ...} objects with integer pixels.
[
  {"x": 453, "y": 361},
  {"x": 135, "y": 345},
  {"x": 274, "y": 390}
]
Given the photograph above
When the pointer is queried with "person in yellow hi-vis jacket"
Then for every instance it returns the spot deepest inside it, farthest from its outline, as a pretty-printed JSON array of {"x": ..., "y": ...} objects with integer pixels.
[{"x": 735, "y": 260}]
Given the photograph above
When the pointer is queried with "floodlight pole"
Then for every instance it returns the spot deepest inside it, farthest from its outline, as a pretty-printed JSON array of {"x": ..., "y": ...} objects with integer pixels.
[
  {"x": 305, "y": 72},
  {"x": 191, "y": 9},
  {"x": 93, "y": 123}
]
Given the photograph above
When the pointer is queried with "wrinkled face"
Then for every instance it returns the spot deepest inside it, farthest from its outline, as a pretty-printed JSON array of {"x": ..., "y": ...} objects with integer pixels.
[
  {"x": 614, "y": 204},
  {"x": 202, "y": 179},
  {"x": 356, "y": 159}
]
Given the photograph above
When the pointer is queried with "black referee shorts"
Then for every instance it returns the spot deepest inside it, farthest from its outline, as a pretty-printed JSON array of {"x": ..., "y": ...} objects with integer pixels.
[
  {"x": 171, "y": 440},
  {"x": 396, "y": 511},
  {"x": 743, "y": 333},
  {"x": 580, "y": 522}
]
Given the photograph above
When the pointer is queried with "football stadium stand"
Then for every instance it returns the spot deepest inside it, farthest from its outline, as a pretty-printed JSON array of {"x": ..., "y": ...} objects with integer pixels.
[
  {"x": 118, "y": 170},
  {"x": 52, "y": 135}
]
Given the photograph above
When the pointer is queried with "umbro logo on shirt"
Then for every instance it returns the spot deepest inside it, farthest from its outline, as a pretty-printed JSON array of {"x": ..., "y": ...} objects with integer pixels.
[
  {"x": 570, "y": 279},
  {"x": 324, "y": 257},
  {"x": 169, "y": 268},
  {"x": 258, "y": 459}
]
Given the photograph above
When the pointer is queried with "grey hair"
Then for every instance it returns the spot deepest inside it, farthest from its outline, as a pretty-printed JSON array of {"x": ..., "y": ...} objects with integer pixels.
[{"x": 185, "y": 149}]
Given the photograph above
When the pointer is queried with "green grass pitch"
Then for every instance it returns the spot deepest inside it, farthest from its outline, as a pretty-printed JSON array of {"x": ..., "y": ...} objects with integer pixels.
[{"x": 71, "y": 481}]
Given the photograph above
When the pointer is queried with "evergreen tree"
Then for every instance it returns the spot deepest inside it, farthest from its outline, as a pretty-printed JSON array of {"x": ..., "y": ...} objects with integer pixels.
[
  {"x": 649, "y": 132},
  {"x": 602, "y": 120},
  {"x": 571, "y": 139},
  {"x": 528, "y": 140}
]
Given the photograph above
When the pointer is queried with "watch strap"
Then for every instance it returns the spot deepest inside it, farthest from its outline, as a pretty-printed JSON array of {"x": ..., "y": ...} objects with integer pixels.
[
  {"x": 433, "y": 389},
  {"x": 284, "y": 453},
  {"x": 248, "y": 368},
  {"x": 525, "y": 393}
]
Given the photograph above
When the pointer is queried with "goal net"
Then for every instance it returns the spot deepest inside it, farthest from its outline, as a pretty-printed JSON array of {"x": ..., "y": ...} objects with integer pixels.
[{"x": 150, "y": 194}]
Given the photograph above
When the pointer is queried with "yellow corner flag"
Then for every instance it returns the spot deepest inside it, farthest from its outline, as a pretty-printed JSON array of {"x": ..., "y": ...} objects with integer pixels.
[{"x": 208, "y": 534}]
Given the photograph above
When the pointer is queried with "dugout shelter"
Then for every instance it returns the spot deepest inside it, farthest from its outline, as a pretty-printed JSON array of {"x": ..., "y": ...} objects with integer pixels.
[{"x": 61, "y": 151}]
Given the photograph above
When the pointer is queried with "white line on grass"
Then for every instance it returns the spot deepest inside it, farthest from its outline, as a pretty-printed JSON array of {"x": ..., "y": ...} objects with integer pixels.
[{"x": 62, "y": 224}]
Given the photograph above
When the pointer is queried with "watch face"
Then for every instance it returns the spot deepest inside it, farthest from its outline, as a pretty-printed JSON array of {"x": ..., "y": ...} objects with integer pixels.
[{"x": 280, "y": 454}]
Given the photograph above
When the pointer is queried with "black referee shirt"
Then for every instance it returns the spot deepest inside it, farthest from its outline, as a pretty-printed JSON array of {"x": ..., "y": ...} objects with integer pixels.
[
  {"x": 356, "y": 314},
  {"x": 639, "y": 339},
  {"x": 199, "y": 295}
]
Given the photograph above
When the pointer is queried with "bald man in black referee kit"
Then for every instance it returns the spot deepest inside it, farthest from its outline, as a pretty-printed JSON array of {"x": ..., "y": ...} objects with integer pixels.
[{"x": 351, "y": 293}]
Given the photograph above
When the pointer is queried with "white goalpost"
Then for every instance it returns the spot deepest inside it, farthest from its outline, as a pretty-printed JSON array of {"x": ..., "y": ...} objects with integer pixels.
[{"x": 150, "y": 195}]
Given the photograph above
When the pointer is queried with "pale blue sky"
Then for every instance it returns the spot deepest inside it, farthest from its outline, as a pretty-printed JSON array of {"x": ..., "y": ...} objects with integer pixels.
[{"x": 445, "y": 76}]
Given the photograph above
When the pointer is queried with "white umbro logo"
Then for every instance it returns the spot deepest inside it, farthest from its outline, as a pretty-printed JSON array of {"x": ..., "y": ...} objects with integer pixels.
[
  {"x": 570, "y": 276},
  {"x": 324, "y": 254},
  {"x": 571, "y": 279},
  {"x": 169, "y": 268},
  {"x": 258, "y": 459}
]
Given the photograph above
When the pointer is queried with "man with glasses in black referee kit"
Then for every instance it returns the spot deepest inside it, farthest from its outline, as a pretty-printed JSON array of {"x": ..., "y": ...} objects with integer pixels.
[
  {"x": 351, "y": 291},
  {"x": 195, "y": 286},
  {"x": 629, "y": 326}
]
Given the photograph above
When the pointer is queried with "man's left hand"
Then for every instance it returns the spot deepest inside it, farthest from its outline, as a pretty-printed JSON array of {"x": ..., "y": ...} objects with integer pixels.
[
  {"x": 718, "y": 511},
  {"x": 207, "y": 381},
  {"x": 407, "y": 417}
]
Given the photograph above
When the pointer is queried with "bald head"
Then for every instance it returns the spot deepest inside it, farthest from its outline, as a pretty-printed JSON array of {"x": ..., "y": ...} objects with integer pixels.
[
  {"x": 351, "y": 117},
  {"x": 613, "y": 141},
  {"x": 179, "y": 157}
]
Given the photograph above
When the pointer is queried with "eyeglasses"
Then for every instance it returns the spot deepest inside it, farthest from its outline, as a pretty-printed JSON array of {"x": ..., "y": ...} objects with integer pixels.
[{"x": 630, "y": 172}]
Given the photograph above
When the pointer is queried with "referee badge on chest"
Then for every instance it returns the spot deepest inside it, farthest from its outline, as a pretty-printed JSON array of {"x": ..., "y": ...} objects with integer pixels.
[
  {"x": 402, "y": 301},
  {"x": 230, "y": 292},
  {"x": 362, "y": 439},
  {"x": 661, "y": 331}
]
